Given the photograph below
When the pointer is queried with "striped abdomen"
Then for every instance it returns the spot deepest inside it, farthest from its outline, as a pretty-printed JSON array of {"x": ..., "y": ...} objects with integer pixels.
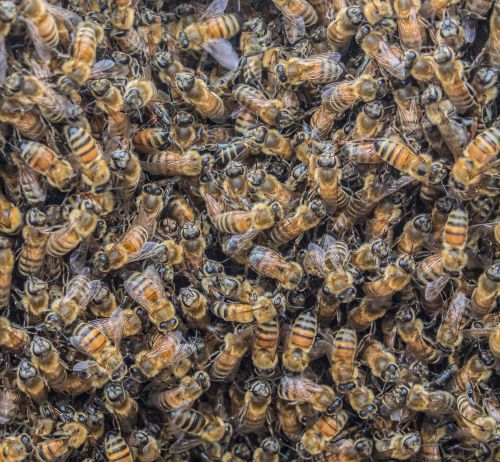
[
  {"x": 32, "y": 253},
  {"x": 456, "y": 228},
  {"x": 82, "y": 145},
  {"x": 344, "y": 345},
  {"x": 484, "y": 147},
  {"x": 116, "y": 449},
  {"x": 90, "y": 340},
  {"x": 85, "y": 44},
  {"x": 226, "y": 26},
  {"x": 304, "y": 330},
  {"x": 266, "y": 335}
]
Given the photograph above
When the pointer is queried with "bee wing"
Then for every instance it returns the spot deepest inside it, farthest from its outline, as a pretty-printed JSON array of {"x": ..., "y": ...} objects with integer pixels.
[
  {"x": 9, "y": 404},
  {"x": 317, "y": 63},
  {"x": 112, "y": 327},
  {"x": 317, "y": 257},
  {"x": 301, "y": 387},
  {"x": 105, "y": 68},
  {"x": 238, "y": 242},
  {"x": 3, "y": 59},
  {"x": 389, "y": 61},
  {"x": 216, "y": 8},
  {"x": 333, "y": 254},
  {"x": 295, "y": 27},
  {"x": 62, "y": 13},
  {"x": 41, "y": 48},
  {"x": 151, "y": 273},
  {"x": 392, "y": 186},
  {"x": 433, "y": 289},
  {"x": 167, "y": 343},
  {"x": 362, "y": 152},
  {"x": 457, "y": 308},
  {"x": 78, "y": 258},
  {"x": 223, "y": 52},
  {"x": 479, "y": 331},
  {"x": 82, "y": 366},
  {"x": 183, "y": 444},
  {"x": 148, "y": 250},
  {"x": 81, "y": 283}
]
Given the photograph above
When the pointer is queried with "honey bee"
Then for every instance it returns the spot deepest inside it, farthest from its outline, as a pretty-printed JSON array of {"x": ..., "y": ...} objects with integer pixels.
[
  {"x": 327, "y": 175},
  {"x": 368, "y": 311},
  {"x": 289, "y": 419},
  {"x": 116, "y": 448},
  {"x": 6, "y": 269},
  {"x": 408, "y": 110},
  {"x": 183, "y": 396},
  {"x": 144, "y": 446},
  {"x": 449, "y": 71},
  {"x": 138, "y": 93},
  {"x": 212, "y": 34},
  {"x": 16, "y": 448},
  {"x": 343, "y": 28},
  {"x": 13, "y": 338},
  {"x": 494, "y": 40},
  {"x": 300, "y": 342},
  {"x": 485, "y": 295},
  {"x": 477, "y": 425},
  {"x": 45, "y": 161},
  {"x": 369, "y": 255},
  {"x": 265, "y": 347},
  {"x": 415, "y": 233},
  {"x": 88, "y": 35},
  {"x": 299, "y": 389},
  {"x": 53, "y": 448},
  {"x": 82, "y": 223},
  {"x": 95, "y": 171},
  {"x": 305, "y": 217},
  {"x": 476, "y": 369},
  {"x": 147, "y": 290},
  {"x": 349, "y": 450},
  {"x": 47, "y": 360},
  {"x": 271, "y": 111},
  {"x": 268, "y": 451},
  {"x": 362, "y": 399},
  {"x": 172, "y": 163},
  {"x": 269, "y": 263},
  {"x": 194, "y": 306},
  {"x": 263, "y": 309},
  {"x": 31, "y": 383},
  {"x": 380, "y": 360},
  {"x": 411, "y": 31},
  {"x": 410, "y": 329},
  {"x": 315, "y": 439},
  {"x": 266, "y": 187},
  {"x": 399, "y": 446},
  {"x": 450, "y": 33},
  {"x": 431, "y": 436},
  {"x": 252, "y": 415},
  {"x": 477, "y": 157},
  {"x": 167, "y": 350},
  {"x": 375, "y": 46},
  {"x": 317, "y": 69},
  {"x": 431, "y": 402},
  {"x": 94, "y": 343},
  {"x": 11, "y": 217},
  {"x": 78, "y": 294},
  {"x": 343, "y": 351},
  {"x": 10, "y": 404},
  {"x": 24, "y": 119},
  {"x": 455, "y": 234},
  {"x": 207, "y": 427},
  {"x": 449, "y": 335},
  {"x": 120, "y": 404},
  {"x": 396, "y": 277},
  {"x": 227, "y": 361}
]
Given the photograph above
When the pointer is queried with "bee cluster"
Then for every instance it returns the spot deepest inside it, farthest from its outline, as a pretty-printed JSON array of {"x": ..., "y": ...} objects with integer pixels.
[{"x": 249, "y": 231}]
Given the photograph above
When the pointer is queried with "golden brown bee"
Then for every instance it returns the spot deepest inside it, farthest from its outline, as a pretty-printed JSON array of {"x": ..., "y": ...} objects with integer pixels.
[
  {"x": 116, "y": 449},
  {"x": 82, "y": 223},
  {"x": 380, "y": 360},
  {"x": 396, "y": 277},
  {"x": 477, "y": 425},
  {"x": 343, "y": 351},
  {"x": 300, "y": 342},
  {"x": 27, "y": 121},
  {"x": 362, "y": 399},
  {"x": 268, "y": 451},
  {"x": 31, "y": 383},
  {"x": 32, "y": 254},
  {"x": 327, "y": 175},
  {"x": 450, "y": 33},
  {"x": 289, "y": 419},
  {"x": 10, "y": 406},
  {"x": 415, "y": 232},
  {"x": 194, "y": 306},
  {"x": 47, "y": 360},
  {"x": 315, "y": 439},
  {"x": 120, "y": 404},
  {"x": 449, "y": 335},
  {"x": 485, "y": 296},
  {"x": 138, "y": 94},
  {"x": 207, "y": 427},
  {"x": 343, "y": 28},
  {"x": 77, "y": 295},
  {"x": 299, "y": 389},
  {"x": 476, "y": 159},
  {"x": 369, "y": 255},
  {"x": 265, "y": 347},
  {"x": 184, "y": 395},
  {"x": 94, "y": 343},
  {"x": 410, "y": 329},
  {"x": 271, "y": 142},
  {"x": 266, "y": 187},
  {"x": 167, "y": 350},
  {"x": 305, "y": 217},
  {"x": 449, "y": 71},
  {"x": 263, "y": 309},
  {"x": 269, "y": 263},
  {"x": 369, "y": 310},
  {"x": 10, "y": 216},
  {"x": 494, "y": 39},
  {"x": 172, "y": 163},
  {"x": 318, "y": 69},
  {"x": 431, "y": 436},
  {"x": 195, "y": 91},
  {"x": 12, "y": 338},
  {"x": 147, "y": 290},
  {"x": 399, "y": 446},
  {"x": 431, "y": 402},
  {"x": 6, "y": 269},
  {"x": 377, "y": 11},
  {"x": 368, "y": 121},
  {"x": 252, "y": 415},
  {"x": 45, "y": 161},
  {"x": 16, "y": 448},
  {"x": 53, "y": 448},
  {"x": 349, "y": 450},
  {"x": 271, "y": 111},
  {"x": 408, "y": 110},
  {"x": 78, "y": 68},
  {"x": 455, "y": 234},
  {"x": 228, "y": 359},
  {"x": 411, "y": 31}
]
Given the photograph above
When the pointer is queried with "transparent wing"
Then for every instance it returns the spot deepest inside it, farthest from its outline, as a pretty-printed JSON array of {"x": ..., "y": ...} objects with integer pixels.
[
  {"x": 174, "y": 345},
  {"x": 361, "y": 152},
  {"x": 62, "y": 13},
  {"x": 89, "y": 289},
  {"x": 392, "y": 186},
  {"x": 223, "y": 52},
  {"x": 183, "y": 444},
  {"x": 41, "y": 48},
  {"x": 78, "y": 258},
  {"x": 82, "y": 366},
  {"x": 301, "y": 387},
  {"x": 295, "y": 27},
  {"x": 9, "y": 404},
  {"x": 148, "y": 250},
  {"x": 105, "y": 68},
  {"x": 112, "y": 327},
  {"x": 336, "y": 256},
  {"x": 433, "y": 289},
  {"x": 389, "y": 61},
  {"x": 238, "y": 242},
  {"x": 456, "y": 310},
  {"x": 317, "y": 257},
  {"x": 153, "y": 275},
  {"x": 216, "y": 8}
]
